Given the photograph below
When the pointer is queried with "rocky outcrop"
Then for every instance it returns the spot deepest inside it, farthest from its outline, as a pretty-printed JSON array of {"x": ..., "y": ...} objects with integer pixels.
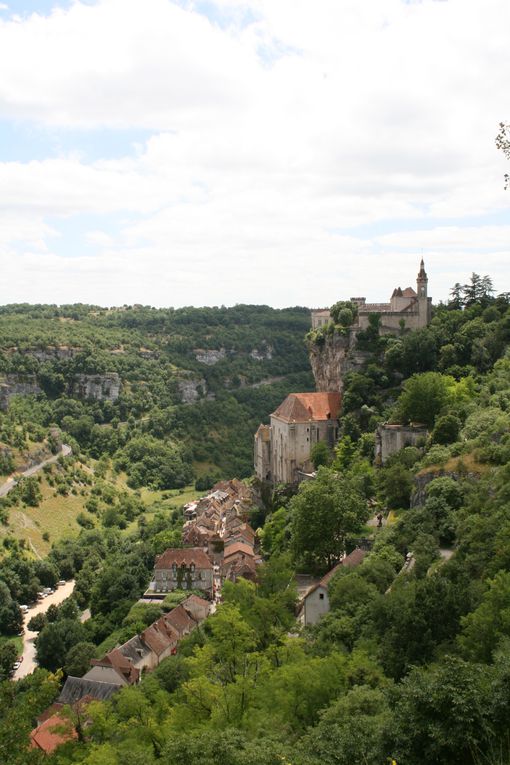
[
  {"x": 191, "y": 390},
  {"x": 49, "y": 353},
  {"x": 262, "y": 354},
  {"x": 100, "y": 387},
  {"x": 332, "y": 358},
  {"x": 17, "y": 385},
  {"x": 210, "y": 357}
]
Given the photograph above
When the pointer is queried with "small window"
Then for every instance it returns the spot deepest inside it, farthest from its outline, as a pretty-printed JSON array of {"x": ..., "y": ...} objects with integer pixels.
[{"x": 321, "y": 596}]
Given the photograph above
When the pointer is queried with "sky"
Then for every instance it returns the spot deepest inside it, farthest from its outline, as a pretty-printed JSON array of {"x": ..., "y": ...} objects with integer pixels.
[{"x": 284, "y": 152}]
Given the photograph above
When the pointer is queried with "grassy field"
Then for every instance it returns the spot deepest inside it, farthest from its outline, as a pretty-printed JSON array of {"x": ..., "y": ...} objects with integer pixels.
[
  {"x": 18, "y": 642},
  {"x": 56, "y": 515}
]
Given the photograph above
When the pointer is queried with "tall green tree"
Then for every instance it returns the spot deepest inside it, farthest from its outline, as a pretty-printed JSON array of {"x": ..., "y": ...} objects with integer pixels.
[{"x": 327, "y": 515}]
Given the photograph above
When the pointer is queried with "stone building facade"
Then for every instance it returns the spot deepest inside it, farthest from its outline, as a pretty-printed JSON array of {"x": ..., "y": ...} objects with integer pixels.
[
  {"x": 282, "y": 450},
  {"x": 390, "y": 439},
  {"x": 183, "y": 569},
  {"x": 407, "y": 309}
]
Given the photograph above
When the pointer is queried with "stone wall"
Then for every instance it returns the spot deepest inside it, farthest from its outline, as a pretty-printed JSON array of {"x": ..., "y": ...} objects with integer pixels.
[{"x": 390, "y": 439}]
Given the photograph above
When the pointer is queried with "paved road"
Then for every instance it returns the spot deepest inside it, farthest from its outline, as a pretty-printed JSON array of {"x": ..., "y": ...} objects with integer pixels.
[
  {"x": 6, "y": 487},
  {"x": 29, "y": 664}
]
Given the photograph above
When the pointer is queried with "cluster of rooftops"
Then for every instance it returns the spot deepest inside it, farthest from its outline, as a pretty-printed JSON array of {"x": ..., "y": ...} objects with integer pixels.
[{"x": 122, "y": 666}]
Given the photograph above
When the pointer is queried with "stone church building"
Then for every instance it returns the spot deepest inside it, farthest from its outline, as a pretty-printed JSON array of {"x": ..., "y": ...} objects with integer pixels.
[
  {"x": 283, "y": 448},
  {"x": 408, "y": 309}
]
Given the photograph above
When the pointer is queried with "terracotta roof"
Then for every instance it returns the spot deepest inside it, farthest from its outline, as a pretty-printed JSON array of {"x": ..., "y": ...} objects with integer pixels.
[
  {"x": 355, "y": 557},
  {"x": 352, "y": 560},
  {"x": 302, "y": 407},
  {"x": 180, "y": 620},
  {"x": 185, "y": 556},
  {"x": 238, "y": 547},
  {"x": 408, "y": 292},
  {"x": 160, "y": 636},
  {"x": 195, "y": 599},
  {"x": 47, "y": 738}
]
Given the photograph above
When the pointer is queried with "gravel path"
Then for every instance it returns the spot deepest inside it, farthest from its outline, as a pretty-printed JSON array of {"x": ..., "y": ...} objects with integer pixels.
[{"x": 29, "y": 663}]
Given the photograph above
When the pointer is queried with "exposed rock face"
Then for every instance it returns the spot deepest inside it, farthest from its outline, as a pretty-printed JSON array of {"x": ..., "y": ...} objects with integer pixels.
[
  {"x": 209, "y": 357},
  {"x": 17, "y": 385},
  {"x": 262, "y": 354},
  {"x": 192, "y": 389},
  {"x": 49, "y": 353},
  {"x": 331, "y": 360},
  {"x": 97, "y": 387}
]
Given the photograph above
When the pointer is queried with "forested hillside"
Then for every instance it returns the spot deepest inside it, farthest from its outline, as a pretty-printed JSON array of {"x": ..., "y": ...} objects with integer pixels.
[
  {"x": 150, "y": 387},
  {"x": 411, "y": 662}
]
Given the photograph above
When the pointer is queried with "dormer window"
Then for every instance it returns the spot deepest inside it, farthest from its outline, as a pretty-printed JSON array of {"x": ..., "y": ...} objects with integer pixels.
[{"x": 192, "y": 567}]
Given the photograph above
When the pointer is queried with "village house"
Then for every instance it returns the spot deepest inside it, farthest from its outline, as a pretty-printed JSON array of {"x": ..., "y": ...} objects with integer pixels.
[
  {"x": 183, "y": 569},
  {"x": 113, "y": 668},
  {"x": 407, "y": 309},
  {"x": 52, "y": 732},
  {"x": 283, "y": 450},
  {"x": 316, "y": 601}
]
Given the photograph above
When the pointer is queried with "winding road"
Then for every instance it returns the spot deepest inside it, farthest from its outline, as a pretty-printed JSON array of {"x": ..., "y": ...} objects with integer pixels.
[{"x": 6, "y": 487}]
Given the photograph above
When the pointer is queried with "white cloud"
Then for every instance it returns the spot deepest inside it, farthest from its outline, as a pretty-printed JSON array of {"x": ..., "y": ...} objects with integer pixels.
[{"x": 271, "y": 141}]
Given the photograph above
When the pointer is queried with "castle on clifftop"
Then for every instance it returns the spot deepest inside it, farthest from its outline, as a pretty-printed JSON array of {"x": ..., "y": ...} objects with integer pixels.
[
  {"x": 283, "y": 449},
  {"x": 407, "y": 309}
]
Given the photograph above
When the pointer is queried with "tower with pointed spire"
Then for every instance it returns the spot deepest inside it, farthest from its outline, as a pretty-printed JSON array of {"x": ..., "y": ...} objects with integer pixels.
[
  {"x": 424, "y": 302},
  {"x": 422, "y": 281}
]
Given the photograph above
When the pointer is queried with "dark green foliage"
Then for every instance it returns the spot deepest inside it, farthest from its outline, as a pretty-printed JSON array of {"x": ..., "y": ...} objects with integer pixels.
[
  {"x": 446, "y": 429},
  {"x": 326, "y": 514},
  {"x": 353, "y": 729},
  {"x": 320, "y": 454},
  {"x": 395, "y": 484},
  {"x": 8, "y": 655},
  {"x": 55, "y": 640},
  {"x": 77, "y": 660},
  {"x": 37, "y": 622}
]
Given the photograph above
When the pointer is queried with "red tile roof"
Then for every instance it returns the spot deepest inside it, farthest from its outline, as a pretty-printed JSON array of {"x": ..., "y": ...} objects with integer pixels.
[
  {"x": 195, "y": 599},
  {"x": 408, "y": 292},
  {"x": 51, "y": 733},
  {"x": 351, "y": 561},
  {"x": 185, "y": 556},
  {"x": 238, "y": 548},
  {"x": 302, "y": 407},
  {"x": 160, "y": 636},
  {"x": 180, "y": 620}
]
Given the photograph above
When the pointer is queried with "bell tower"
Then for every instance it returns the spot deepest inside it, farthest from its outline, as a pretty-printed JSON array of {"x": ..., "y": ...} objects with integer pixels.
[{"x": 422, "y": 281}]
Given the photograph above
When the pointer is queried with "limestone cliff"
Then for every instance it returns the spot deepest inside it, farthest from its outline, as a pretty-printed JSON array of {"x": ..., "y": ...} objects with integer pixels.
[
  {"x": 100, "y": 387},
  {"x": 332, "y": 357},
  {"x": 17, "y": 385}
]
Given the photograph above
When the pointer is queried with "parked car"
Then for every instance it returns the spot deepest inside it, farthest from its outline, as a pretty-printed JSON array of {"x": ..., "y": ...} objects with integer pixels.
[
  {"x": 61, "y": 582},
  {"x": 23, "y": 609}
]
